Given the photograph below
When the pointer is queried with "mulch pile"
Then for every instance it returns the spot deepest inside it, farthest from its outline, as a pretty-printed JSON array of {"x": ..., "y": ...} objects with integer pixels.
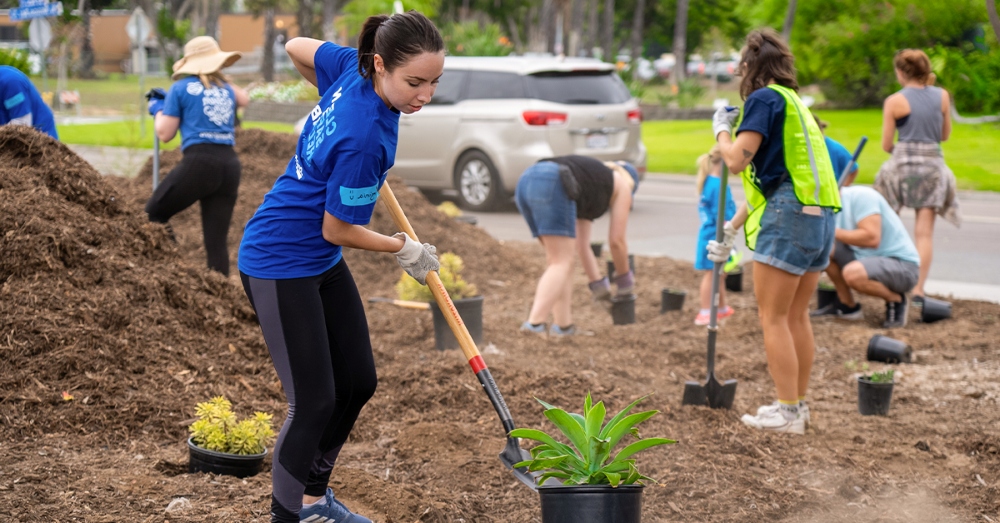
[{"x": 101, "y": 304}]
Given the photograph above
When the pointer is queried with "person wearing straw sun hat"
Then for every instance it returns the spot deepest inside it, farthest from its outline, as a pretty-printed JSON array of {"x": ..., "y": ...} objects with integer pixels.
[{"x": 201, "y": 104}]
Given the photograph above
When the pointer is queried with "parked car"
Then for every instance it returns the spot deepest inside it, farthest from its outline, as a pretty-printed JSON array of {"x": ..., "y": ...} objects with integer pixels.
[
  {"x": 493, "y": 117},
  {"x": 664, "y": 65}
]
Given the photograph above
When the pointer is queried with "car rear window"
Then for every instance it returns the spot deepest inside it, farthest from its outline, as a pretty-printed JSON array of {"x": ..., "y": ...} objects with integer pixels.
[
  {"x": 489, "y": 85},
  {"x": 449, "y": 87},
  {"x": 578, "y": 87}
]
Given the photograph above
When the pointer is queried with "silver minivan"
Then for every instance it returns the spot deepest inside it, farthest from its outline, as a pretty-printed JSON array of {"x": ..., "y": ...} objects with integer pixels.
[{"x": 493, "y": 117}]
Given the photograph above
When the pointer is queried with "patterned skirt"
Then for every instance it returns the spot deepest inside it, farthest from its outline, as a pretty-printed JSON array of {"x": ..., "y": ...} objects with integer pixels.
[{"x": 916, "y": 176}]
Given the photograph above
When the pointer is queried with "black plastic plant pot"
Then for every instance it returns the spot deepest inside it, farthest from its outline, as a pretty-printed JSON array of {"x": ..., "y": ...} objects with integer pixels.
[
  {"x": 734, "y": 280},
  {"x": 825, "y": 297},
  {"x": 935, "y": 310},
  {"x": 882, "y": 348},
  {"x": 671, "y": 300},
  {"x": 611, "y": 267},
  {"x": 597, "y": 247},
  {"x": 623, "y": 309},
  {"x": 241, "y": 466},
  {"x": 591, "y": 504},
  {"x": 873, "y": 398},
  {"x": 471, "y": 220},
  {"x": 471, "y": 311}
]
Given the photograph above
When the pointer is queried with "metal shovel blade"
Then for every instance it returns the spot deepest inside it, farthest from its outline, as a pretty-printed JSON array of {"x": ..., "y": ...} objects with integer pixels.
[
  {"x": 694, "y": 394},
  {"x": 513, "y": 454},
  {"x": 720, "y": 395}
]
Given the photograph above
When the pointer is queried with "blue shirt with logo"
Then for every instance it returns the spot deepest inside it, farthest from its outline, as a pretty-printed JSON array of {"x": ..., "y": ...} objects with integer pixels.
[
  {"x": 346, "y": 148},
  {"x": 839, "y": 157},
  {"x": 207, "y": 115},
  {"x": 19, "y": 98}
]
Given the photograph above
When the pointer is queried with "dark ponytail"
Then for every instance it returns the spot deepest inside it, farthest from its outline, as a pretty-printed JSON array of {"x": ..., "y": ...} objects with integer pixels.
[{"x": 396, "y": 39}]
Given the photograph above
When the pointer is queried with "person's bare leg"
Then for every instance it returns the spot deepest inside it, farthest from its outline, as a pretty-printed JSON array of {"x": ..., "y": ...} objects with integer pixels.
[
  {"x": 857, "y": 277},
  {"x": 559, "y": 252},
  {"x": 843, "y": 290},
  {"x": 775, "y": 291},
  {"x": 924, "y": 235},
  {"x": 801, "y": 329},
  {"x": 706, "y": 290},
  {"x": 722, "y": 290},
  {"x": 561, "y": 309}
]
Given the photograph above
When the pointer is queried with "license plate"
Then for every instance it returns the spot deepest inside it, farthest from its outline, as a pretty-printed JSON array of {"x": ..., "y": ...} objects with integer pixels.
[{"x": 597, "y": 141}]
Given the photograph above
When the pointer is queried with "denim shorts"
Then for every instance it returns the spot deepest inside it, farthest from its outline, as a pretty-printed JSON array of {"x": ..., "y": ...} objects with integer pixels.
[
  {"x": 543, "y": 203},
  {"x": 791, "y": 238}
]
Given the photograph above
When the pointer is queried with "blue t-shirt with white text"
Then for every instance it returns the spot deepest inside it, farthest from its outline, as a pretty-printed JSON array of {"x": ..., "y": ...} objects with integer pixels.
[
  {"x": 346, "y": 148},
  {"x": 20, "y": 100},
  {"x": 207, "y": 115}
]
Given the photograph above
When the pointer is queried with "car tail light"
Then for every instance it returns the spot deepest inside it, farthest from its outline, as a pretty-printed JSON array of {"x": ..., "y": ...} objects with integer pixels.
[
  {"x": 641, "y": 170},
  {"x": 635, "y": 116},
  {"x": 543, "y": 118}
]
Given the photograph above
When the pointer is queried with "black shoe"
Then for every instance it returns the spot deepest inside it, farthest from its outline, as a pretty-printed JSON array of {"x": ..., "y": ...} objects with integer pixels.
[
  {"x": 895, "y": 314},
  {"x": 839, "y": 310},
  {"x": 917, "y": 302}
]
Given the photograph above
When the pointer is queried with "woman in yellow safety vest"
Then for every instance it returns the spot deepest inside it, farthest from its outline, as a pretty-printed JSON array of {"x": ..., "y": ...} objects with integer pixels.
[{"x": 788, "y": 216}]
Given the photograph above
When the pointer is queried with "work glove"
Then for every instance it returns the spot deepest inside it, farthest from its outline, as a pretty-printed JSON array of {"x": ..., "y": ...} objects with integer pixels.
[
  {"x": 724, "y": 120},
  {"x": 416, "y": 259},
  {"x": 601, "y": 291},
  {"x": 719, "y": 252},
  {"x": 625, "y": 283},
  {"x": 155, "y": 98}
]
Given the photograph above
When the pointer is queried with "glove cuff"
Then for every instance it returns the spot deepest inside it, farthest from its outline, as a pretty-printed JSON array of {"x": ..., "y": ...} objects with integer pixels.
[{"x": 411, "y": 250}]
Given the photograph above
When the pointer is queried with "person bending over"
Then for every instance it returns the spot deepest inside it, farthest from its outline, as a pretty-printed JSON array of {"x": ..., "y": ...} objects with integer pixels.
[
  {"x": 873, "y": 255},
  {"x": 560, "y": 198},
  {"x": 20, "y": 103}
]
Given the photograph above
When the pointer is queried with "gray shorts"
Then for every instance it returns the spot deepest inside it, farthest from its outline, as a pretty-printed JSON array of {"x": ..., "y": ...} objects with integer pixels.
[{"x": 897, "y": 275}]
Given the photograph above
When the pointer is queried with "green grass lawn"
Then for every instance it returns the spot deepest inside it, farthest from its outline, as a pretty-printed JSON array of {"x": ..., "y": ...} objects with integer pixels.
[
  {"x": 118, "y": 92},
  {"x": 128, "y": 134},
  {"x": 972, "y": 151}
]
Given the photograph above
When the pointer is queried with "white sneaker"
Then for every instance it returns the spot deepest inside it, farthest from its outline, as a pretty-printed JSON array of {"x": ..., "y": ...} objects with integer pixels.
[
  {"x": 803, "y": 411},
  {"x": 774, "y": 421}
]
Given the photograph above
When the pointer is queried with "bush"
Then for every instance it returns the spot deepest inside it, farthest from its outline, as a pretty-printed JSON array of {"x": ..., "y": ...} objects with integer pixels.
[
  {"x": 972, "y": 78},
  {"x": 218, "y": 430},
  {"x": 451, "y": 268},
  {"x": 469, "y": 39},
  {"x": 16, "y": 58}
]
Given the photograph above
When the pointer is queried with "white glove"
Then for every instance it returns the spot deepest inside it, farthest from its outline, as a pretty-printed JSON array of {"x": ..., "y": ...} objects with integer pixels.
[
  {"x": 416, "y": 259},
  {"x": 719, "y": 252},
  {"x": 724, "y": 120}
]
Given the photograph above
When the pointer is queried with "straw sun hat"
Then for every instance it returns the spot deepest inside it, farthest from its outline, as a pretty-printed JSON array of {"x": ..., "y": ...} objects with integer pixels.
[{"x": 203, "y": 56}]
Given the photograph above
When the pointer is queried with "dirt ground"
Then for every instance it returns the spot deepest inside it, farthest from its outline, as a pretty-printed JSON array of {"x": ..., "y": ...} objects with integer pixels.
[{"x": 98, "y": 303}]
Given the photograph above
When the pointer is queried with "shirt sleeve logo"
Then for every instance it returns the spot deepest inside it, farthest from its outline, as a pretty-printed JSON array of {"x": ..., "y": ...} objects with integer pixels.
[
  {"x": 13, "y": 100},
  {"x": 195, "y": 88},
  {"x": 357, "y": 197}
]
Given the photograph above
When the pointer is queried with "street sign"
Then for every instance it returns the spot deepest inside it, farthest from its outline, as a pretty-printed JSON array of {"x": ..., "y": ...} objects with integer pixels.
[
  {"x": 31, "y": 3},
  {"x": 138, "y": 27},
  {"x": 39, "y": 35},
  {"x": 41, "y": 10}
]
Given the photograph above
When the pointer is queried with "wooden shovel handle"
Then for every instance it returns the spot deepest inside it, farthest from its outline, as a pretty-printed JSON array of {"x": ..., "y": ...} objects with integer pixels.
[{"x": 437, "y": 288}]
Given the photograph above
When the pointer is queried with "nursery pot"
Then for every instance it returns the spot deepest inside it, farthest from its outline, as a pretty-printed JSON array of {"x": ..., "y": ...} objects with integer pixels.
[
  {"x": 825, "y": 297},
  {"x": 597, "y": 247},
  {"x": 671, "y": 300},
  {"x": 241, "y": 466},
  {"x": 471, "y": 311},
  {"x": 611, "y": 267},
  {"x": 623, "y": 309},
  {"x": 734, "y": 280},
  {"x": 935, "y": 310},
  {"x": 591, "y": 504},
  {"x": 873, "y": 398},
  {"x": 882, "y": 348}
]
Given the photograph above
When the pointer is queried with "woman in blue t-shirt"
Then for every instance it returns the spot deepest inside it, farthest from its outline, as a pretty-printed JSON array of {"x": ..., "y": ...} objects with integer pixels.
[
  {"x": 202, "y": 105},
  {"x": 794, "y": 241},
  {"x": 290, "y": 261}
]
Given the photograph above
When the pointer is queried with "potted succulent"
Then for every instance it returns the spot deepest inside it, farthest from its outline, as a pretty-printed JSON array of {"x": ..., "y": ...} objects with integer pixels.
[
  {"x": 463, "y": 294},
  {"x": 594, "y": 485},
  {"x": 221, "y": 444},
  {"x": 875, "y": 393}
]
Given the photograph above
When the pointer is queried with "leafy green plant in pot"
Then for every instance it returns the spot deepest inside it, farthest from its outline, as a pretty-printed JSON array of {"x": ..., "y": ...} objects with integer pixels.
[
  {"x": 595, "y": 486},
  {"x": 221, "y": 444},
  {"x": 464, "y": 295},
  {"x": 875, "y": 393}
]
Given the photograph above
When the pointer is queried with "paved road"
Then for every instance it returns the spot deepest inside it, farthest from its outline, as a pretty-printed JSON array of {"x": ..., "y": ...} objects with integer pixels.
[{"x": 665, "y": 223}]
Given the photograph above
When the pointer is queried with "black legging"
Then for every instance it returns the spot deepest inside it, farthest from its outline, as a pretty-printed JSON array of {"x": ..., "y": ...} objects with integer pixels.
[
  {"x": 317, "y": 333},
  {"x": 209, "y": 173}
]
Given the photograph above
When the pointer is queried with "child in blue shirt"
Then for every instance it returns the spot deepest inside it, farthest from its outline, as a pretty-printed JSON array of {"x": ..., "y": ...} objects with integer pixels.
[{"x": 709, "y": 184}]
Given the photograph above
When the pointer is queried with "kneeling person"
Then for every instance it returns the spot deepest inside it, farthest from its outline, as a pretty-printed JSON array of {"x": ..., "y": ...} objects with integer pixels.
[{"x": 873, "y": 255}]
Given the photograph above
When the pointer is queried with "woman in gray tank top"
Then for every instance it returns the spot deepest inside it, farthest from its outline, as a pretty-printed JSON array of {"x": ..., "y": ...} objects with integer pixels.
[{"x": 916, "y": 176}]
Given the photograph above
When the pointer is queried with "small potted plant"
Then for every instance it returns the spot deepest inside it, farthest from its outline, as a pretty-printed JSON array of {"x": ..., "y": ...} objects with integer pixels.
[
  {"x": 222, "y": 445},
  {"x": 594, "y": 485},
  {"x": 734, "y": 272},
  {"x": 468, "y": 303},
  {"x": 826, "y": 294},
  {"x": 875, "y": 393}
]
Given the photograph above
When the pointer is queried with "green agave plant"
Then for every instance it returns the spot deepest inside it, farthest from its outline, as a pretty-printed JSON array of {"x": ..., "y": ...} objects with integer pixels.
[{"x": 588, "y": 461}]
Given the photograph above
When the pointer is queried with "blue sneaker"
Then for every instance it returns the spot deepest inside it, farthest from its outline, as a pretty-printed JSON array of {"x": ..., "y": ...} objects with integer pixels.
[
  {"x": 536, "y": 329},
  {"x": 330, "y": 511}
]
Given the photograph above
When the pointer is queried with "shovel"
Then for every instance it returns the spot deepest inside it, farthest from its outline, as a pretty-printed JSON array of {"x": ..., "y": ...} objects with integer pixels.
[
  {"x": 402, "y": 303},
  {"x": 717, "y": 395},
  {"x": 512, "y": 453},
  {"x": 854, "y": 158}
]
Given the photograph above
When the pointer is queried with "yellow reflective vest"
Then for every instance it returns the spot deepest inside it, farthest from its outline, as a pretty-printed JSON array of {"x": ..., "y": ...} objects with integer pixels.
[{"x": 806, "y": 159}]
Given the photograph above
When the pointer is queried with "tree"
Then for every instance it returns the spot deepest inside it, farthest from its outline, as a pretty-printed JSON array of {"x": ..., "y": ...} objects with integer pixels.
[
  {"x": 680, "y": 41},
  {"x": 991, "y": 7},
  {"x": 267, "y": 9},
  {"x": 608, "y": 34},
  {"x": 786, "y": 29},
  {"x": 637, "y": 29},
  {"x": 87, "y": 47},
  {"x": 330, "y": 8},
  {"x": 593, "y": 7},
  {"x": 575, "y": 28},
  {"x": 304, "y": 16}
]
